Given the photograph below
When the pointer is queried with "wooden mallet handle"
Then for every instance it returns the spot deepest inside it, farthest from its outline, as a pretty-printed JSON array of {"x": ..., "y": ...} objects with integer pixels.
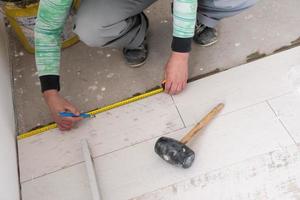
[{"x": 202, "y": 123}]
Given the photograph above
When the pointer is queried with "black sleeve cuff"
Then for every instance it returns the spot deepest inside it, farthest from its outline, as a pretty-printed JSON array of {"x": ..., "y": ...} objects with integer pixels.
[
  {"x": 182, "y": 45},
  {"x": 49, "y": 82}
]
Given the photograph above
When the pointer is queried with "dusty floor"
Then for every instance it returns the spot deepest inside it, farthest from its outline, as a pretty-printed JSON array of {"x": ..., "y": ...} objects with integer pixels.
[{"x": 93, "y": 77}]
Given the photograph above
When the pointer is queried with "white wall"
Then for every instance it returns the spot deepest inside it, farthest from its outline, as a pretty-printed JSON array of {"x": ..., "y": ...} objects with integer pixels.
[{"x": 9, "y": 185}]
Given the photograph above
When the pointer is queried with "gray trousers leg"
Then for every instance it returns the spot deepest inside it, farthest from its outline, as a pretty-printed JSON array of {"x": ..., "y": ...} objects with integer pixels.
[
  {"x": 113, "y": 23},
  {"x": 210, "y": 12}
]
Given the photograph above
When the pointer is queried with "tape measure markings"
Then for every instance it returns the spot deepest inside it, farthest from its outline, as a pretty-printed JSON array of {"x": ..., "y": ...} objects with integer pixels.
[{"x": 93, "y": 112}]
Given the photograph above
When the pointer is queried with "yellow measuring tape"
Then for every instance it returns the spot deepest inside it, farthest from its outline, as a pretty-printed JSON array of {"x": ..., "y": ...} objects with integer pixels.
[{"x": 93, "y": 112}]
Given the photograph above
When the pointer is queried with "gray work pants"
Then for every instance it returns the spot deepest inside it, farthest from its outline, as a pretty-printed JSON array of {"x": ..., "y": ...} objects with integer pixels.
[
  {"x": 114, "y": 23},
  {"x": 212, "y": 11},
  {"x": 121, "y": 23}
]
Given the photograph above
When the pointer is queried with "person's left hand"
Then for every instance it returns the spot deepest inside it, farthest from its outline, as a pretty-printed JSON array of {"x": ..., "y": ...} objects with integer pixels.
[
  {"x": 58, "y": 104},
  {"x": 176, "y": 73}
]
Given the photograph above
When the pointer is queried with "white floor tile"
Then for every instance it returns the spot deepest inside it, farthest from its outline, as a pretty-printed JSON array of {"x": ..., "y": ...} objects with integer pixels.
[
  {"x": 108, "y": 132},
  {"x": 67, "y": 184},
  {"x": 273, "y": 176},
  {"x": 137, "y": 170},
  {"x": 287, "y": 108},
  {"x": 223, "y": 143},
  {"x": 239, "y": 87}
]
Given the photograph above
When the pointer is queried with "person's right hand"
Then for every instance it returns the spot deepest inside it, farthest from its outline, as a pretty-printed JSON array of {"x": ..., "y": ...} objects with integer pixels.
[
  {"x": 58, "y": 104},
  {"x": 176, "y": 73}
]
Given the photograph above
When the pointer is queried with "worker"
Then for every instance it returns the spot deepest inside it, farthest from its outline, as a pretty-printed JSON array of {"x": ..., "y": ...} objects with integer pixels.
[{"x": 122, "y": 24}]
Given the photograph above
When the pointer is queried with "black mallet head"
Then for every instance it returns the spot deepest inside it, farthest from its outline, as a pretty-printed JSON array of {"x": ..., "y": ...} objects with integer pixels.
[
  {"x": 177, "y": 153},
  {"x": 174, "y": 152}
]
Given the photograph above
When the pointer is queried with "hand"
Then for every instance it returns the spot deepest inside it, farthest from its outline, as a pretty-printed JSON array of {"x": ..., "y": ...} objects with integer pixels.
[
  {"x": 58, "y": 104},
  {"x": 176, "y": 73}
]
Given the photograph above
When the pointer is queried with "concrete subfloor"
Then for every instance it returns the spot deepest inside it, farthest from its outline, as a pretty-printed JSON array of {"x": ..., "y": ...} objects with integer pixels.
[{"x": 94, "y": 77}]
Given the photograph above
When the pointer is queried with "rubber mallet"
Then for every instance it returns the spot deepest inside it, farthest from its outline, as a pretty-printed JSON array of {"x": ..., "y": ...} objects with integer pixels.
[{"x": 177, "y": 152}]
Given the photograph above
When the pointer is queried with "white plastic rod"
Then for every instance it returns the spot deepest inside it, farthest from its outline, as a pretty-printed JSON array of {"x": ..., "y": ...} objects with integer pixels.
[{"x": 90, "y": 168}]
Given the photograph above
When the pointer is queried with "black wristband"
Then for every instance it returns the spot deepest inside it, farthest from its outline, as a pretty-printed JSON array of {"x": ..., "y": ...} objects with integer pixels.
[
  {"x": 49, "y": 82},
  {"x": 182, "y": 45}
]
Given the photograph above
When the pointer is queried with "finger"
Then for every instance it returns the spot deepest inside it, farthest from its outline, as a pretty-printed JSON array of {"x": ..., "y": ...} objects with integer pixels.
[
  {"x": 67, "y": 126},
  {"x": 173, "y": 88},
  {"x": 72, "y": 120},
  {"x": 63, "y": 124},
  {"x": 72, "y": 109},
  {"x": 168, "y": 87},
  {"x": 62, "y": 128},
  {"x": 179, "y": 88},
  {"x": 76, "y": 119},
  {"x": 67, "y": 122}
]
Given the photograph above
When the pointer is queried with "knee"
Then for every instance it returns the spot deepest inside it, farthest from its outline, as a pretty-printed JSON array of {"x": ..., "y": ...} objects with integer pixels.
[
  {"x": 98, "y": 32},
  {"x": 89, "y": 24},
  {"x": 88, "y": 33}
]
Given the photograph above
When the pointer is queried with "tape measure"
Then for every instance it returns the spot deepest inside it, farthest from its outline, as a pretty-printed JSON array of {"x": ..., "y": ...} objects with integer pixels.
[
  {"x": 45, "y": 128},
  {"x": 93, "y": 112}
]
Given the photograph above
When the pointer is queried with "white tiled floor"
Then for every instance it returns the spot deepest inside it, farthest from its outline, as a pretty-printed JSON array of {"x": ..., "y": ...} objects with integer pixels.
[
  {"x": 108, "y": 132},
  {"x": 247, "y": 152},
  {"x": 239, "y": 87},
  {"x": 274, "y": 175}
]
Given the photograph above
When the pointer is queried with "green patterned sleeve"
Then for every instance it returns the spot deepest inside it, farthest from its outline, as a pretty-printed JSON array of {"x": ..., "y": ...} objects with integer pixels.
[
  {"x": 184, "y": 18},
  {"x": 51, "y": 18}
]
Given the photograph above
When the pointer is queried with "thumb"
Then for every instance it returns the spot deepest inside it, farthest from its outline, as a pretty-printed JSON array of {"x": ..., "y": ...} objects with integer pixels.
[{"x": 72, "y": 109}]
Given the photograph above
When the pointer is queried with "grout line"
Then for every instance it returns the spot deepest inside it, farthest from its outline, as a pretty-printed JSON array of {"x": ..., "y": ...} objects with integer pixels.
[
  {"x": 240, "y": 109},
  {"x": 281, "y": 122},
  {"x": 138, "y": 143},
  {"x": 252, "y": 105},
  {"x": 49, "y": 173},
  {"x": 277, "y": 96},
  {"x": 184, "y": 125}
]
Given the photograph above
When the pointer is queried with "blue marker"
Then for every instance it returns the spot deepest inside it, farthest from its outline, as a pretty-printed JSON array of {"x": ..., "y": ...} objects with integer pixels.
[{"x": 69, "y": 114}]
